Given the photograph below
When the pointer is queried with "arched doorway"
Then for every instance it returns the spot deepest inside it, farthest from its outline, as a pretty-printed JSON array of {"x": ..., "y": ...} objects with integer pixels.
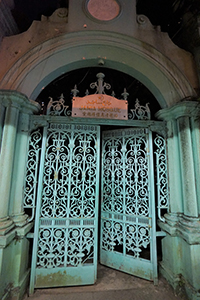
[{"x": 68, "y": 178}]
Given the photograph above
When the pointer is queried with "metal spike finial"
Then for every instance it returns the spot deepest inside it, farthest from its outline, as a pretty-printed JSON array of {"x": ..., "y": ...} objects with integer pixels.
[
  {"x": 113, "y": 94},
  {"x": 100, "y": 85},
  {"x": 75, "y": 91},
  {"x": 125, "y": 94}
]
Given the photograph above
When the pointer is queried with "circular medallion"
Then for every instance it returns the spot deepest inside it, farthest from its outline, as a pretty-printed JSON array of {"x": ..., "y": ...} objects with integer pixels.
[{"x": 104, "y": 10}]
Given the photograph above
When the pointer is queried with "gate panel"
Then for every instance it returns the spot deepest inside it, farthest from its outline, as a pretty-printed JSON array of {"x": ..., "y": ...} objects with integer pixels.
[
  {"x": 65, "y": 241},
  {"x": 126, "y": 212}
]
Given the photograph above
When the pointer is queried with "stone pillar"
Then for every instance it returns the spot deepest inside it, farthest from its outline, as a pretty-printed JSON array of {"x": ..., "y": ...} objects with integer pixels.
[
  {"x": 174, "y": 167},
  {"x": 181, "y": 156},
  {"x": 16, "y": 211},
  {"x": 16, "y": 200},
  {"x": 187, "y": 168},
  {"x": 14, "y": 103},
  {"x": 2, "y": 112},
  {"x": 6, "y": 164},
  {"x": 181, "y": 246},
  {"x": 14, "y": 245},
  {"x": 195, "y": 127}
]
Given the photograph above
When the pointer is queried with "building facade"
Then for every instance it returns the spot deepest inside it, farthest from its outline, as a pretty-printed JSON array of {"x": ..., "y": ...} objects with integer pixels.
[{"x": 60, "y": 227}]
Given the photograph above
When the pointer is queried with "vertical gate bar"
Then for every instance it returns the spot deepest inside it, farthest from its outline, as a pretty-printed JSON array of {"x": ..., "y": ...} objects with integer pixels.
[
  {"x": 38, "y": 204},
  {"x": 152, "y": 209},
  {"x": 102, "y": 198},
  {"x": 124, "y": 193},
  {"x": 69, "y": 189},
  {"x": 97, "y": 204}
]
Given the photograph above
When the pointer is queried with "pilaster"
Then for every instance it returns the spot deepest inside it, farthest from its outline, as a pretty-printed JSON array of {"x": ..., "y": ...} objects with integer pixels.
[
  {"x": 181, "y": 246},
  {"x": 6, "y": 164},
  {"x": 183, "y": 156},
  {"x": 2, "y": 114},
  {"x": 14, "y": 103},
  {"x": 174, "y": 169},
  {"x": 17, "y": 191},
  {"x": 187, "y": 167}
]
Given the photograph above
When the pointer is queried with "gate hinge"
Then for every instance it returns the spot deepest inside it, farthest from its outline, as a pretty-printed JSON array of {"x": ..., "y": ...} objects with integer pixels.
[{"x": 30, "y": 235}]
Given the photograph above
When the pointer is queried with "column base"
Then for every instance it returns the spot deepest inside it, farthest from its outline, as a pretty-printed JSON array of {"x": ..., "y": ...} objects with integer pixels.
[
  {"x": 181, "y": 253},
  {"x": 180, "y": 285},
  {"x": 20, "y": 219},
  {"x": 6, "y": 224},
  {"x": 14, "y": 263}
]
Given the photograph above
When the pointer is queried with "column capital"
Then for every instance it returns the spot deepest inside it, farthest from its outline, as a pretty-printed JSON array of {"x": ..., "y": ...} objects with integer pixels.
[
  {"x": 18, "y": 100},
  {"x": 180, "y": 109}
]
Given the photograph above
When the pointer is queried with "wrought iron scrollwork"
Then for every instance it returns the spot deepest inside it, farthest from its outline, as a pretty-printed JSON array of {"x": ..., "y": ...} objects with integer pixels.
[
  {"x": 162, "y": 175},
  {"x": 68, "y": 206},
  {"x": 125, "y": 206},
  {"x": 100, "y": 85},
  {"x": 58, "y": 107},
  {"x": 140, "y": 112},
  {"x": 32, "y": 167}
]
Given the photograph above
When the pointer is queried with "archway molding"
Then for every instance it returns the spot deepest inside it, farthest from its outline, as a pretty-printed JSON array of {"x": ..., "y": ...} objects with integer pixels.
[{"x": 54, "y": 57}]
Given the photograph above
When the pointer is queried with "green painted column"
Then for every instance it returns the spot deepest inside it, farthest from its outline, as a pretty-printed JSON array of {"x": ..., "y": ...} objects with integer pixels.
[
  {"x": 187, "y": 168},
  {"x": 195, "y": 127},
  {"x": 2, "y": 113},
  {"x": 16, "y": 211},
  {"x": 174, "y": 168},
  {"x": 182, "y": 150},
  {"x": 181, "y": 246},
  {"x": 13, "y": 154},
  {"x": 6, "y": 164}
]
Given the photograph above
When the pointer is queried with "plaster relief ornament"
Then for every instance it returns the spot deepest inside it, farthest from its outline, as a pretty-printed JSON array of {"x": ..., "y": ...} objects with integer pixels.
[{"x": 104, "y": 10}]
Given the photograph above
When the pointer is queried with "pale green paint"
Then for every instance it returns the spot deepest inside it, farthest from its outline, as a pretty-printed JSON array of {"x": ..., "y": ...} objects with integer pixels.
[
  {"x": 187, "y": 168},
  {"x": 181, "y": 245},
  {"x": 14, "y": 103},
  {"x": 14, "y": 261},
  {"x": 180, "y": 264},
  {"x": 17, "y": 194},
  {"x": 174, "y": 163},
  {"x": 182, "y": 154},
  {"x": 2, "y": 112},
  {"x": 6, "y": 158},
  {"x": 195, "y": 128}
]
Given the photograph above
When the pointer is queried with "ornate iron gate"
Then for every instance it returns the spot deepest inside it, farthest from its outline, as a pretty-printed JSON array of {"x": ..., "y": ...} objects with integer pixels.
[
  {"x": 63, "y": 174},
  {"x": 65, "y": 234},
  {"x": 128, "y": 233}
]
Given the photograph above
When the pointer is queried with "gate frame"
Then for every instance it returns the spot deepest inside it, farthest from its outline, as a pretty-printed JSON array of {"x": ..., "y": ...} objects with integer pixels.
[{"x": 153, "y": 126}]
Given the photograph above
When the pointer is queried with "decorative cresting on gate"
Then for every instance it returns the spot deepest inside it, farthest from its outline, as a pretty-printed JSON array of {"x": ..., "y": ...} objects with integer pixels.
[
  {"x": 128, "y": 236},
  {"x": 65, "y": 241}
]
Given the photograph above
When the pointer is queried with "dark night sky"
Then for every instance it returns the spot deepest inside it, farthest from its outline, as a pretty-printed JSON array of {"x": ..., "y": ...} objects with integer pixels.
[{"x": 159, "y": 11}]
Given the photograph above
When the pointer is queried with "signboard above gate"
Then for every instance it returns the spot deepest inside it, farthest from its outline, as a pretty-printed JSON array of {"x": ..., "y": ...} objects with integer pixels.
[{"x": 100, "y": 106}]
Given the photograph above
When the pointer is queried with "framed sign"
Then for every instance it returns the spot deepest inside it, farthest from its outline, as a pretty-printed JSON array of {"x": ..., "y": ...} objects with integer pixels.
[{"x": 100, "y": 106}]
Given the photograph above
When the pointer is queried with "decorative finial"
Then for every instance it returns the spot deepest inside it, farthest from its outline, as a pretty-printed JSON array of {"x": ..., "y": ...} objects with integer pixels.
[
  {"x": 100, "y": 85},
  {"x": 125, "y": 94},
  {"x": 75, "y": 91}
]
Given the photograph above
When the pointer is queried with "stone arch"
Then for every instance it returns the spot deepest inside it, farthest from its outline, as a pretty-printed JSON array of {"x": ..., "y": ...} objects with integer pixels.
[{"x": 43, "y": 63}]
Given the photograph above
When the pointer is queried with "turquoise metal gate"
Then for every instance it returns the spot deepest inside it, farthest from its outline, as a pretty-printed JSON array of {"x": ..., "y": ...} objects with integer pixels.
[
  {"x": 62, "y": 184},
  {"x": 66, "y": 222},
  {"x": 128, "y": 232}
]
